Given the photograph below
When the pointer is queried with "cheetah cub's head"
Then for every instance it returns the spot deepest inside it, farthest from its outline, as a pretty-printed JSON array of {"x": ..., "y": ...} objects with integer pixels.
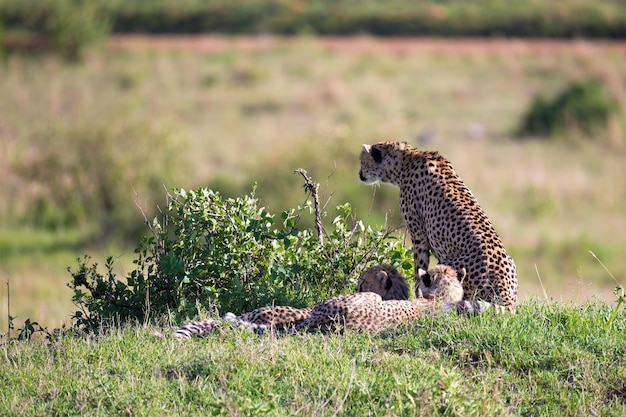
[
  {"x": 441, "y": 283},
  {"x": 381, "y": 162},
  {"x": 384, "y": 280}
]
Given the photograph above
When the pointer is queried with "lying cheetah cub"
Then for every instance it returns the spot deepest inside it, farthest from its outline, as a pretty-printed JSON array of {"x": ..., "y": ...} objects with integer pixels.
[{"x": 384, "y": 281}]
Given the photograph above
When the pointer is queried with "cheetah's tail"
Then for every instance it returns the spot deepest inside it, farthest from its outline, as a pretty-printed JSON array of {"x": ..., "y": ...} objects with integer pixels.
[{"x": 197, "y": 328}]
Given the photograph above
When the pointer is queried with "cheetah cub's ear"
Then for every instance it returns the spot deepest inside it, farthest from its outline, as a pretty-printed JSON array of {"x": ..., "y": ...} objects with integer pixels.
[
  {"x": 366, "y": 148},
  {"x": 425, "y": 278},
  {"x": 384, "y": 279},
  {"x": 461, "y": 275}
]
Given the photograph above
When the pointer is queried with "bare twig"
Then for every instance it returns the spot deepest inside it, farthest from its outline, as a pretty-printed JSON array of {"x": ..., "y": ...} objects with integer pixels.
[{"x": 313, "y": 188}]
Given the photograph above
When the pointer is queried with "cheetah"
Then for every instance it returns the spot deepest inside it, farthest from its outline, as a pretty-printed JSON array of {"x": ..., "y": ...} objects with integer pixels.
[
  {"x": 442, "y": 216},
  {"x": 440, "y": 287},
  {"x": 383, "y": 280}
]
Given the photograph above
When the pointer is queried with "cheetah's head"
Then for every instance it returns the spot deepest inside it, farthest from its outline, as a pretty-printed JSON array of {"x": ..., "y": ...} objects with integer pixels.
[
  {"x": 381, "y": 162},
  {"x": 384, "y": 280},
  {"x": 442, "y": 283}
]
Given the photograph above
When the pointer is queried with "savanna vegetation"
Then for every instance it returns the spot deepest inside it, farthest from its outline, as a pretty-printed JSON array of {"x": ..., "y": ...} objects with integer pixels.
[
  {"x": 67, "y": 27},
  {"x": 106, "y": 147},
  {"x": 84, "y": 143},
  {"x": 548, "y": 358},
  {"x": 115, "y": 359}
]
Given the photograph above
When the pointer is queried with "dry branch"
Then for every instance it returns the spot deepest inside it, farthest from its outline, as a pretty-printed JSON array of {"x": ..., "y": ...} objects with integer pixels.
[{"x": 312, "y": 187}]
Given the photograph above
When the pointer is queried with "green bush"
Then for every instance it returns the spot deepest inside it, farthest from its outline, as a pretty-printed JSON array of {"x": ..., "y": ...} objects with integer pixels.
[
  {"x": 211, "y": 253},
  {"x": 581, "y": 107},
  {"x": 67, "y": 26}
]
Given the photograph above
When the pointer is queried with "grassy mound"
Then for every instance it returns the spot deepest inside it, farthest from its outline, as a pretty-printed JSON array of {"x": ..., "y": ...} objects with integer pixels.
[{"x": 548, "y": 359}]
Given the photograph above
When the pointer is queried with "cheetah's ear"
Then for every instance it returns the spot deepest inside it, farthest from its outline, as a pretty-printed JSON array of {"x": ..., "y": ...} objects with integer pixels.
[
  {"x": 419, "y": 293},
  {"x": 366, "y": 148},
  {"x": 461, "y": 274},
  {"x": 421, "y": 273},
  {"x": 384, "y": 279},
  {"x": 377, "y": 155}
]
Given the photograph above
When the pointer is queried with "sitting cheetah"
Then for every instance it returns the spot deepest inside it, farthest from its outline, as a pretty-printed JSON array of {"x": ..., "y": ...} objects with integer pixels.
[
  {"x": 368, "y": 311},
  {"x": 383, "y": 280},
  {"x": 443, "y": 216}
]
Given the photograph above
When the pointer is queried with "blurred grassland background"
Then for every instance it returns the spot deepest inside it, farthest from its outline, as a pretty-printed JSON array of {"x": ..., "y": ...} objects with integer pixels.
[{"x": 83, "y": 142}]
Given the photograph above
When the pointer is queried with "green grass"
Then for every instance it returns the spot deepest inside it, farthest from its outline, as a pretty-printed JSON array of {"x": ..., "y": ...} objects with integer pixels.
[{"x": 547, "y": 359}]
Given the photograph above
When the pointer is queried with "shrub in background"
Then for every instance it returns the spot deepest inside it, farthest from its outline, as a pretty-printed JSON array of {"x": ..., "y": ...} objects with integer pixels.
[
  {"x": 229, "y": 255},
  {"x": 581, "y": 107},
  {"x": 67, "y": 26},
  {"x": 64, "y": 27},
  {"x": 573, "y": 18}
]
